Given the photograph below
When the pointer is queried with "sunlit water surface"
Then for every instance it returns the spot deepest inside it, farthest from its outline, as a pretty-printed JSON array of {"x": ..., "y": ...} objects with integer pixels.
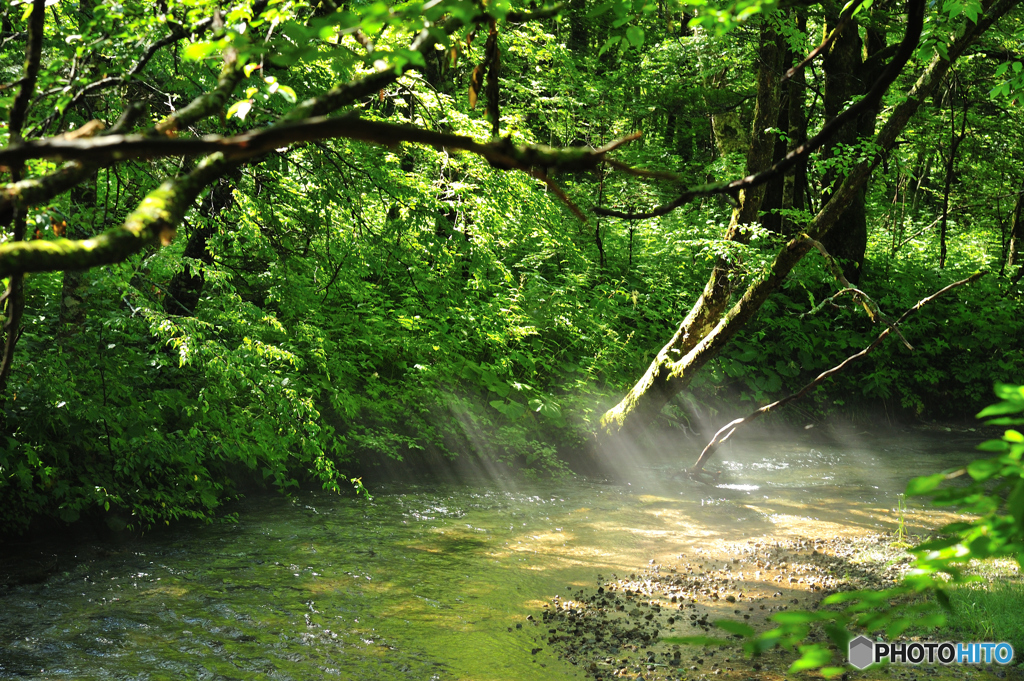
[{"x": 426, "y": 581}]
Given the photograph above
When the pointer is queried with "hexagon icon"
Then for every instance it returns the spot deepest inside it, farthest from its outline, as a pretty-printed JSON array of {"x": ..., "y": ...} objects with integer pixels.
[{"x": 862, "y": 652}]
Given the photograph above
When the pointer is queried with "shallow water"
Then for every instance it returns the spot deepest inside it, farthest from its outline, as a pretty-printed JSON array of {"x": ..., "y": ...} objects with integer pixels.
[{"x": 425, "y": 581}]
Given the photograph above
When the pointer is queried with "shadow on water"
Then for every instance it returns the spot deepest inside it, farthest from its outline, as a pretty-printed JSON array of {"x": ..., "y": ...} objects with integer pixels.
[{"x": 428, "y": 580}]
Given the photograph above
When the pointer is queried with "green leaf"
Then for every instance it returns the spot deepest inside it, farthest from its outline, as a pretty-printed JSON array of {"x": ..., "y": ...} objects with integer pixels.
[
  {"x": 983, "y": 469},
  {"x": 980, "y": 547},
  {"x": 897, "y": 627},
  {"x": 839, "y": 635},
  {"x": 798, "y": 617},
  {"x": 993, "y": 446},
  {"x": 611, "y": 42},
  {"x": 924, "y": 484},
  {"x": 551, "y": 410},
  {"x": 240, "y": 108},
  {"x": 812, "y": 657},
  {"x": 734, "y": 627},
  {"x": 1015, "y": 503},
  {"x": 512, "y": 410},
  {"x": 635, "y": 36},
  {"x": 863, "y": 6},
  {"x": 199, "y": 51}
]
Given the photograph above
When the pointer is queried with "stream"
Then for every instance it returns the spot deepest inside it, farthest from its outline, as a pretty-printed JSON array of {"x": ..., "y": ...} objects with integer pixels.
[{"x": 432, "y": 580}]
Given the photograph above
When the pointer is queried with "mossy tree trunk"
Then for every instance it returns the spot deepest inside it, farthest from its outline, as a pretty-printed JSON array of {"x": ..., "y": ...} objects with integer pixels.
[{"x": 659, "y": 383}]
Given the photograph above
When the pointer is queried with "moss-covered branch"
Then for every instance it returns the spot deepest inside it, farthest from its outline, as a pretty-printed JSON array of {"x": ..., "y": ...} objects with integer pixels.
[
  {"x": 36, "y": 190},
  {"x": 114, "y": 148},
  {"x": 155, "y": 220},
  {"x": 206, "y": 105}
]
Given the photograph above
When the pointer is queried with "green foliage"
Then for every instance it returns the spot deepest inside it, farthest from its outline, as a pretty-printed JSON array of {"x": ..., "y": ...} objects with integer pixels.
[{"x": 355, "y": 303}]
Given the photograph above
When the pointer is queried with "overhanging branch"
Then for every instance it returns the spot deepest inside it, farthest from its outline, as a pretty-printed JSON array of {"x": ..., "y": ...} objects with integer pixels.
[
  {"x": 115, "y": 148},
  {"x": 156, "y": 218}
]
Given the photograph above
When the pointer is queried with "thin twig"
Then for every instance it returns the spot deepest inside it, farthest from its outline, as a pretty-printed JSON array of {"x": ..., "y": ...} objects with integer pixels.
[
  {"x": 869, "y": 305},
  {"x": 727, "y": 430}
]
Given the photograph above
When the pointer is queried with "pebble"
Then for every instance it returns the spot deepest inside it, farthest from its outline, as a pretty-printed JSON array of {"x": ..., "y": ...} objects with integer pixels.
[{"x": 614, "y": 630}]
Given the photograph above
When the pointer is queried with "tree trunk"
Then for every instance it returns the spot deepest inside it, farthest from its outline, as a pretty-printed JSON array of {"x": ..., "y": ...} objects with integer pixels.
[
  {"x": 845, "y": 77},
  {"x": 186, "y": 286},
  {"x": 659, "y": 384},
  {"x": 954, "y": 145},
  {"x": 579, "y": 35},
  {"x": 1013, "y": 251},
  {"x": 726, "y": 122},
  {"x": 73, "y": 290},
  {"x": 796, "y": 184},
  {"x": 776, "y": 197}
]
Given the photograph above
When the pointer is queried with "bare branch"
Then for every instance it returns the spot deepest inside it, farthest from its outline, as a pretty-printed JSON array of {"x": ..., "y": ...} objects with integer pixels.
[{"x": 727, "y": 430}]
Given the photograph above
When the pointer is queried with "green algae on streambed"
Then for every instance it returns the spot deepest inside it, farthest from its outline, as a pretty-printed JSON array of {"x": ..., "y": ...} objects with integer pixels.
[{"x": 432, "y": 581}]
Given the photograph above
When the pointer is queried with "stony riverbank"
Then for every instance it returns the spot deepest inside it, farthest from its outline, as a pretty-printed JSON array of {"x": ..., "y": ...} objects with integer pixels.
[{"x": 614, "y": 629}]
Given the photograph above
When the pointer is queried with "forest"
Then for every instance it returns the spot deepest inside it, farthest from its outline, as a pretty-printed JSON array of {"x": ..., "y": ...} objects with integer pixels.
[
  {"x": 282, "y": 241},
  {"x": 307, "y": 246}
]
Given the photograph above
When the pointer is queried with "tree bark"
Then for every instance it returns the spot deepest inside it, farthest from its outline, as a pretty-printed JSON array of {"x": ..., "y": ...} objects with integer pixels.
[
  {"x": 186, "y": 286},
  {"x": 72, "y": 294},
  {"x": 847, "y": 75},
  {"x": 954, "y": 145},
  {"x": 776, "y": 197},
  {"x": 1013, "y": 251},
  {"x": 796, "y": 186}
]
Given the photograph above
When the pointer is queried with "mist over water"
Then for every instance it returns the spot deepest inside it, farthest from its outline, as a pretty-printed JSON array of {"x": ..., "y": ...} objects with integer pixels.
[{"x": 427, "y": 579}]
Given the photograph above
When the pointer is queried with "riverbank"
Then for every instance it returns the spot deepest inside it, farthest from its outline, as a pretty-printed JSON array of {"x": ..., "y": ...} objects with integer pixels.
[{"x": 615, "y": 629}]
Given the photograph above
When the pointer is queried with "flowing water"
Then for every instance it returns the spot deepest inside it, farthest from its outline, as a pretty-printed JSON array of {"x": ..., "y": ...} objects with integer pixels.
[{"x": 427, "y": 581}]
